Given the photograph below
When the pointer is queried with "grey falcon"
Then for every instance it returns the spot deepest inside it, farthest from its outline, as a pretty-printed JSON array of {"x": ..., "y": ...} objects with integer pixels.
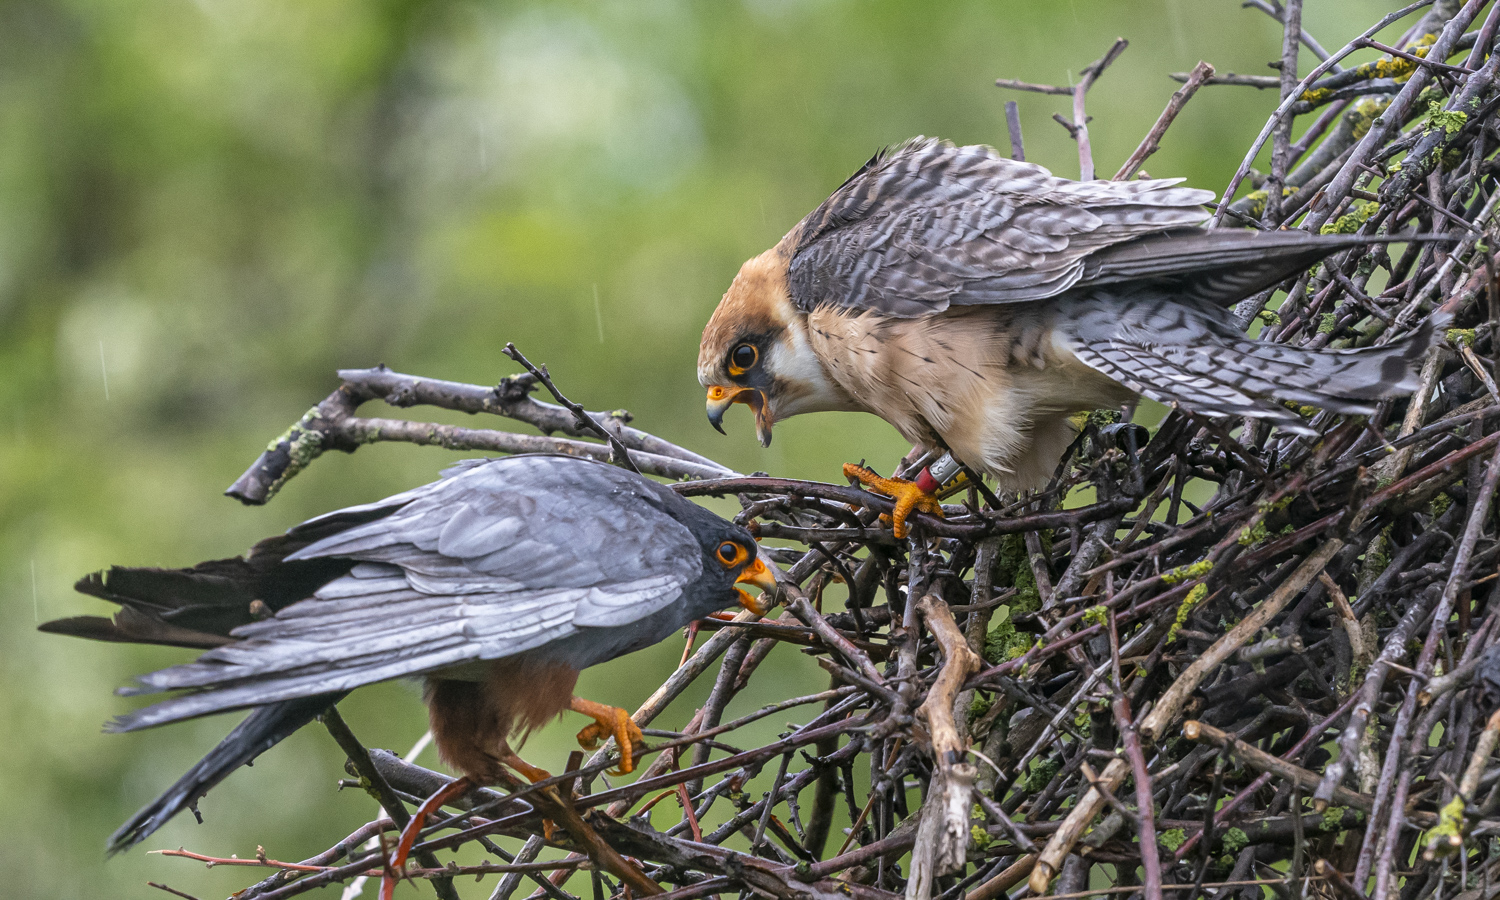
[
  {"x": 976, "y": 303},
  {"x": 497, "y": 584}
]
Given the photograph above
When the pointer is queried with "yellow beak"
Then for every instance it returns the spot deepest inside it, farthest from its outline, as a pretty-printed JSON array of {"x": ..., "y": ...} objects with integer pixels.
[
  {"x": 720, "y": 398},
  {"x": 760, "y": 575}
]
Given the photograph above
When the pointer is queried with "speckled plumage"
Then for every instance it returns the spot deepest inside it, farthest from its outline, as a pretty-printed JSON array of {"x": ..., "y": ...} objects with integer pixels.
[{"x": 975, "y": 302}]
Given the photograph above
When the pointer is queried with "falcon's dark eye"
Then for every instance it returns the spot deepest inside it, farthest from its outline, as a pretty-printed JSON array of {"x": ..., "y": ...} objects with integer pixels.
[
  {"x": 744, "y": 356},
  {"x": 732, "y": 554}
]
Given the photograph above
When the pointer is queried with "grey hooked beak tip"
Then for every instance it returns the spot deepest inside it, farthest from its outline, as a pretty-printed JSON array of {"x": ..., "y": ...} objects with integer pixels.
[{"x": 721, "y": 398}]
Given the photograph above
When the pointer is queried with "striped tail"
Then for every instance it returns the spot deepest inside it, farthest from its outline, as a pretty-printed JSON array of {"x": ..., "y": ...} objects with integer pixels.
[{"x": 1191, "y": 354}]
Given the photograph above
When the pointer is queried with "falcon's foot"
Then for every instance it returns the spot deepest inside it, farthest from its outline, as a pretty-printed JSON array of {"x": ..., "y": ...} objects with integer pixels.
[
  {"x": 909, "y": 496},
  {"x": 527, "y": 770},
  {"x": 609, "y": 721},
  {"x": 396, "y": 864}
]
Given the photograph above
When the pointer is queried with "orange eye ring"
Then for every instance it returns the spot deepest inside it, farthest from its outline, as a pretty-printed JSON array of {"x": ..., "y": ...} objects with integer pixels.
[
  {"x": 743, "y": 358},
  {"x": 731, "y": 554}
]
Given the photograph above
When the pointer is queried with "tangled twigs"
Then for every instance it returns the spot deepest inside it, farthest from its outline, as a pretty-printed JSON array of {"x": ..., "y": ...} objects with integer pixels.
[
  {"x": 1222, "y": 654},
  {"x": 942, "y": 840},
  {"x": 1078, "y": 127},
  {"x": 617, "y": 452}
]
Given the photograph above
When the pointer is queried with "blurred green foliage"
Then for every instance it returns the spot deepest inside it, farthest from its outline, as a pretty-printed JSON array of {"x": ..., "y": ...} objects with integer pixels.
[{"x": 206, "y": 208}]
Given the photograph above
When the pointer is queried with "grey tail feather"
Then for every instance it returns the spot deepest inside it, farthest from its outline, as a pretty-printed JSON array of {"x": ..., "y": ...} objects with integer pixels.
[
  {"x": 260, "y": 731},
  {"x": 1189, "y": 356},
  {"x": 1220, "y": 265}
]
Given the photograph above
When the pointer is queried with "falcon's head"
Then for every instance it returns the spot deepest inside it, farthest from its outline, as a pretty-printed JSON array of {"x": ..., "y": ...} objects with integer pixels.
[{"x": 755, "y": 350}]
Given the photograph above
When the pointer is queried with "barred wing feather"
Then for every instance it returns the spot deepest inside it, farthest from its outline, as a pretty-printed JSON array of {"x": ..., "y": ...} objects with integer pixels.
[{"x": 927, "y": 225}]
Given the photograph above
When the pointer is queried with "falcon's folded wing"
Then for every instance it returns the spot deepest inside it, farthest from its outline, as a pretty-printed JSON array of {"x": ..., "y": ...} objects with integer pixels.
[{"x": 495, "y": 560}]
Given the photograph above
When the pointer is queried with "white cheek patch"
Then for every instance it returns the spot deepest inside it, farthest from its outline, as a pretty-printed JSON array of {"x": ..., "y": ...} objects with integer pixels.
[{"x": 792, "y": 362}]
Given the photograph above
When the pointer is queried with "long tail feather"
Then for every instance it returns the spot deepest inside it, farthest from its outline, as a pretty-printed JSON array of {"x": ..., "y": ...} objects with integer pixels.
[
  {"x": 260, "y": 731},
  {"x": 1192, "y": 355}
]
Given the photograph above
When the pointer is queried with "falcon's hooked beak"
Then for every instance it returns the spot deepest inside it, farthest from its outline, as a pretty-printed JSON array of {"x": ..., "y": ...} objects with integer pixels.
[
  {"x": 760, "y": 575},
  {"x": 721, "y": 398}
]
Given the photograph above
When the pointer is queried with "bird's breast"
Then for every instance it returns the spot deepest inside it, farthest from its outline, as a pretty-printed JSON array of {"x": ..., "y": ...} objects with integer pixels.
[{"x": 985, "y": 382}]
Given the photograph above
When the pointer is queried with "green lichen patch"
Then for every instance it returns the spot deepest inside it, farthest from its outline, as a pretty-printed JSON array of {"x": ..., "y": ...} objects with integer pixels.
[
  {"x": 1015, "y": 570},
  {"x": 1461, "y": 337},
  {"x": 1362, "y": 117},
  {"x": 1188, "y": 572},
  {"x": 1039, "y": 774},
  {"x": 1447, "y": 837},
  {"x": 301, "y": 443},
  {"x": 1450, "y": 121},
  {"x": 1252, "y": 534},
  {"x": 1003, "y": 642},
  {"x": 1185, "y": 609},
  {"x": 980, "y": 837},
  {"x": 1234, "y": 840},
  {"x": 1172, "y": 839},
  {"x": 1359, "y": 213},
  {"x": 1333, "y": 819}
]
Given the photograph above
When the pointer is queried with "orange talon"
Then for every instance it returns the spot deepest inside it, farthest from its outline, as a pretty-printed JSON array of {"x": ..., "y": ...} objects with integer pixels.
[
  {"x": 527, "y": 770},
  {"x": 609, "y": 721},
  {"x": 909, "y": 497}
]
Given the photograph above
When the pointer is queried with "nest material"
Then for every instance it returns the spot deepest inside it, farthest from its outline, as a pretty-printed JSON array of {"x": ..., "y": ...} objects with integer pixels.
[{"x": 1249, "y": 661}]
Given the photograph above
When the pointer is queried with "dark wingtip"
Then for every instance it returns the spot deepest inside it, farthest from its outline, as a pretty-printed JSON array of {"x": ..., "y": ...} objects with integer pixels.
[
  {"x": 96, "y": 627},
  {"x": 93, "y": 585},
  {"x": 261, "y": 730}
]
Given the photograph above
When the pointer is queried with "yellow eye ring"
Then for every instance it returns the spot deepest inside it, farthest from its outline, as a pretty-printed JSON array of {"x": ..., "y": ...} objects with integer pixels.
[
  {"x": 743, "y": 358},
  {"x": 731, "y": 554}
]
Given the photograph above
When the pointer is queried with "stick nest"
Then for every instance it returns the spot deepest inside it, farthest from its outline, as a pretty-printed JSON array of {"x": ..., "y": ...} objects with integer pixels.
[{"x": 1209, "y": 659}]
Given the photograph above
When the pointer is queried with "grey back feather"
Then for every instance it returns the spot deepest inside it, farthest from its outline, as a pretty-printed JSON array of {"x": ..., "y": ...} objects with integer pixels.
[{"x": 494, "y": 560}]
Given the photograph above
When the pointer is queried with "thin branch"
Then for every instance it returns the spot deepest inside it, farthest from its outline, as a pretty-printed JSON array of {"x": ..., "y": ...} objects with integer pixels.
[
  {"x": 1152, "y": 141},
  {"x": 618, "y": 454}
]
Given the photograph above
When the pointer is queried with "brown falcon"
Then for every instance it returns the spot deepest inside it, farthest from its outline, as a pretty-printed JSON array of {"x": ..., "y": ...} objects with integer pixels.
[{"x": 976, "y": 302}]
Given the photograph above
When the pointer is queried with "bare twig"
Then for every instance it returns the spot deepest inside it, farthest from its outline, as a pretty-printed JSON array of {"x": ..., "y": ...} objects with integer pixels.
[
  {"x": 618, "y": 454},
  {"x": 1013, "y": 128},
  {"x": 1152, "y": 141}
]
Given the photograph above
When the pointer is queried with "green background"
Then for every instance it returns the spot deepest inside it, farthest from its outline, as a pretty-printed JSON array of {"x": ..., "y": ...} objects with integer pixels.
[{"x": 207, "y": 208}]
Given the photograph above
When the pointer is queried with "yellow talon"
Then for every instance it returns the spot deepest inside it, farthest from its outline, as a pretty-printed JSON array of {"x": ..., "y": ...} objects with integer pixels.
[{"x": 908, "y": 496}]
